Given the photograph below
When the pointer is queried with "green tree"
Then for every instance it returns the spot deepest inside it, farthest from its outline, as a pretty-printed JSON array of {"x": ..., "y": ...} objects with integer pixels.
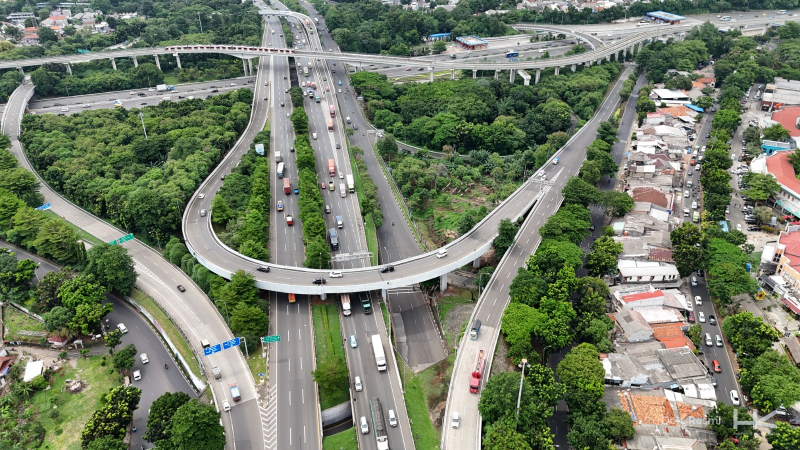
[
  {"x": 387, "y": 148},
  {"x": 784, "y": 437},
  {"x": 579, "y": 192},
  {"x": 114, "y": 416},
  {"x": 113, "y": 339},
  {"x": 587, "y": 433},
  {"x": 760, "y": 187},
  {"x": 112, "y": 267},
  {"x": 686, "y": 250},
  {"x": 107, "y": 443},
  {"x": 505, "y": 237},
  {"x": 249, "y": 321},
  {"x": 317, "y": 254},
  {"x": 125, "y": 358},
  {"x": 720, "y": 421},
  {"x": 46, "y": 35},
  {"x": 602, "y": 259},
  {"x": 581, "y": 370},
  {"x": 58, "y": 319},
  {"x": 551, "y": 256},
  {"x": 726, "y": 119},
  {"x": 88, "y": 317},
  {"x": 439, "y": 47},
  {"x": 776, "y": 132},
  {"x": 160, "y": 416},
  {"x": 47, "y": 290},
  {"x": 607, "y": 132},
  {"x": 618, "y": 424},
  {"x": 241, "y": 289},
  {"x": 484, "y": 276},
  {"x": 331, "y": 372},
  {"x": 196, "y": 425},
  {"x": 749, "y": 335},
  {"x": 502, "y": 435},
  {"x": 300, "y": 121},
  {"x": 615, "y": 203},
  {"x": 222, "y": 212},
  {"x": 81, "y": 290},
  {"x": 570, "y": 223}
]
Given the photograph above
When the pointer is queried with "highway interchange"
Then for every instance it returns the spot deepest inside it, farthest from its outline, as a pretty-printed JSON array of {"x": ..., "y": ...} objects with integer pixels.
[{"x": 241, "y": 421}]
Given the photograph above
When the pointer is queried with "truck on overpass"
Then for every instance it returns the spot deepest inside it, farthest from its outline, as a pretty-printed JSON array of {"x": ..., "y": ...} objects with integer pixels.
[{"x": 477, "y": 372}]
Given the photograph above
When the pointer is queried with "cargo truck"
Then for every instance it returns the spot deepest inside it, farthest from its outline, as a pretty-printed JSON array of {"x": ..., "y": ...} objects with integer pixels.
[
  {"x": 342, "y": 190},
  {"x": 287, "y": 186},
  {"x": 351, "y": 184},
  {"x": 477, "y": 373},
  {"x": 164, "y": 87},
  {"x": 379, "y": 424},
  {"x": 346, "y": 305},
  {"x": 332, "y": 110},
  {"x": 696, "y": 217},
  {"x": 377, "y": 350},
  {"x": 281, "y": 168},
  {"x": 278, "y": 157},
  {"x": 235, "y": 392},
  {"x": 292, "y": 298},
  {"x": 475, "y": 330},
  {"x": 366, "y": 305},
  {"x": 260, "y": 150},
  {"x": 331, "y": 168},
  {"x": 216, "y": 372},
  {"x": 333, "y": 238}
]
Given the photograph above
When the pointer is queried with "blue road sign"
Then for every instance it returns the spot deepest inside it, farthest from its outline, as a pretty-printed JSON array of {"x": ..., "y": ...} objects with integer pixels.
[
  {"x": 232, "y": 343},
  {"x": 43, "y": 207},
  {"x": 211, "y": 350}
]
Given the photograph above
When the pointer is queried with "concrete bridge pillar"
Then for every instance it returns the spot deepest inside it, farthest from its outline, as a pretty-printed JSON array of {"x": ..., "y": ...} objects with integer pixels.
[
  {"x": 474, "y": 73},
  {"x": 557, "y": 69},
  {"x": 477, "y": 263},
  {"x": 431, "y": 78},
  {"x": 511, "y": 76},
  {"x": 443, "y": 283},
  {"x": 244, "y": 67},
  {"x": 69, "y": 68},
  {"x": 158, "y": 63},
  {"x": 385, "y": 294},
  {"x": 641, "y": 44},
  {"x": 600, "y": 61},
  {"x": 178, "y": 59},
  {"x": 574, "y": 67},
  {"x": 250, "y": 65},
  {"x": 135, "y": 62},
  {"x": 538, "y": 75},
  {"x": 496, "y": 74},
  {"x": 452, "y": 74},
  {"x": 113, "y": 64},
  {"x": 20, "y": 71},
  {"x": 323, "y": 296}
]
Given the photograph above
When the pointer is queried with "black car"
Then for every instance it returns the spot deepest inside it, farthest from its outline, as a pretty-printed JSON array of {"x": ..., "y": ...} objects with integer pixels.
[
  {"x": 214, "y": 91},
  {"x": 144, "y": 103},
  {"x": 292, "y": 149},
  {"x": 181, "y": 288},
  {"x": 712, "y": 320},
  {"x": 319, "y": 280},
  {"x": 385, "y": 269},
  {"x": 714, "y": 381},
  {"x": 264, "y": 269}
]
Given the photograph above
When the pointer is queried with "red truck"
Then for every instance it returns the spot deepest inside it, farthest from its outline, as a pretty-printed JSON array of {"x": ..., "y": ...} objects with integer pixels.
[
  {"x": 287, "y": 186},
  {"x": 475, "y": 380},
  {"x": 333, "y": 111},
  {"x": 331, "y": 168}
]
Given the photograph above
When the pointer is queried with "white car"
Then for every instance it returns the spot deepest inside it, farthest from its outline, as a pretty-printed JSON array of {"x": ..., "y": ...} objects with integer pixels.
[
  {"x": 735, "y": 398},
  {"x": 144, "y": 358},
  {"x": 340, "y": 90},
  {"x": 365, "y": 426},
  {"x": 121, "y": 327},
  {"x": 689, "y": 306},
  {"x": 133, "y": 92},
  {"x": 738, "y": 227},
  {"x": 226, "y": 406},
  {"x": 701, "y": 317},
  {"x": 341, "y": 175},
  {"x": 335, "y": 274},
  {"x": 137, "y": 375},
  {"x": 456, "y": 420},
  {"x": 358, "y": 385},
  {"x": 85, "y": 105},
  {"x": 201, "y": 196},
  {"x": 64, "y": 109},
  {"x": 698, "y": 300}
]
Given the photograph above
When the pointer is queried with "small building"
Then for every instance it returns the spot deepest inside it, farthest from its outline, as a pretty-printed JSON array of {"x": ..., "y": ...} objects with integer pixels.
[
  {"x": 639, "y": 272},
  {"x": 778, "y": 165},
  {"x": 19, "y": 17},
  {"x": 32, "y": 370},
  {"x": 471, "y": 43},
  {"x": 31, "y": 39},
  {"x": 789, "y": 117},
  {"x": 664, "y": 17},
  {"x": 667, "y": 95},
  {"x": 439, "y": 37}
]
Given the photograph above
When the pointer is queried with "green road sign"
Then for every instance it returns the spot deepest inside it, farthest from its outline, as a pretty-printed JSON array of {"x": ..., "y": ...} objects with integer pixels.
[
  {"x": 126, "y": 238},
  {"x": 268, "y": 339},
  {"x": 114, "y": 242}
]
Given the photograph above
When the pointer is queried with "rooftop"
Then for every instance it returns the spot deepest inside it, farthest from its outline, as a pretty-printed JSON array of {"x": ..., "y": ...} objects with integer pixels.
[
  {"x": 665, "y": 15},
  {"x": 788, "y": 118},
  {"x": 778, "y": 165},
  {"x": 471, "y": 40}
]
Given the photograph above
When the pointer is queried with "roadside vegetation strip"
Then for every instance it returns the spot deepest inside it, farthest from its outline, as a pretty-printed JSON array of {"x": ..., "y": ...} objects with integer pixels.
[
  {"x": 169, "y": 328},
  {"x": 425, "y": 435},
  {"x": 91, "y": 239},
  {"x": 328, "y": 346},
  {"x": 63, "y": 414},
  {"x": 345, "y": 440},
  {"x": 367, "y": 200}
]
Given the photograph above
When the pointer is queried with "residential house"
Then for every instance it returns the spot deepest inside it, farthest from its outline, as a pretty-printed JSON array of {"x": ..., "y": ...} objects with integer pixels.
[{"x": 778, "y": 165}]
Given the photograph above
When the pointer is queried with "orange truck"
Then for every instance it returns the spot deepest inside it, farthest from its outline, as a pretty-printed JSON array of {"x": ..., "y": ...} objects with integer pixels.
[
  {"x": 331, "y": 168},
  {"x": 287, "y": 186},
  {"x": 291, "y": 298}
]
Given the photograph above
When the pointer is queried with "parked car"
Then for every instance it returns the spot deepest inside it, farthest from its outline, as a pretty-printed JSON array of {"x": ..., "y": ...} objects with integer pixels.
[{"x": 712, "y": 320}]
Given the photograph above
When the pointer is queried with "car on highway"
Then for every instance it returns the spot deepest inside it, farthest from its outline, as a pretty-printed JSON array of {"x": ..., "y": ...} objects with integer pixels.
[
  {"x": 137, "y": 375},
  {"x": 144, "y": 358},
  {"x": 717, "y": 367},
  {"x": 341, "y": 175},
  {"x": 323, "y": 185},
  {"x": 264, "y": 269},
  {"x": 387, "y": 268},
  {"x": 698, "y": 300},
  {"x": 327, "y": 209},
  {"x": 122, "y": 328},
  {"x": 297, "y": 191},
  {"x": 735, "y": 398},
  {"x": 85, "y": 105},
  {"x": 455, "y": 421},
  {"x": 289, "y": 220},
  {"x": 133, "y": 93},
  {"x": 353, "y": 341},
  {"x": 338, "y": 145},
  {"x": 203, "y": 213},
  {"x": 201, "y": 196},
  {"x": 226, "y": 406},
  {"x": 330, "y": 185},
  {"x": 712, "y": 320},
  {"x": 359, "y": 387},
  {"x": 701, "y": 317},
  {"x": 335, "y": 274},
  {"x": 319, "y": 280},
  {"x": 280, "y": 205},
  {"x": 181, "y": 288},
  {"x": 718, "y": 340},
  {"x": 364, "y": 425},
  {"x": 65, "y": 109}
]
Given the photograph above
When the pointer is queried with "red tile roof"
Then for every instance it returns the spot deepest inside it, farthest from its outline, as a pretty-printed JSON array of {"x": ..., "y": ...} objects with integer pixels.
[
  {"x": 788, "y": 118},
  {"x": 650, "y": 195},
  {"x": 642, "y": 296},
  {"x": 707, "y": 80},
  {"x": 778, "y": 165},
  {"x": 792, "y": 250},
  {"x": 791, "y": 305},
  {"x": 671, "y": 335}
]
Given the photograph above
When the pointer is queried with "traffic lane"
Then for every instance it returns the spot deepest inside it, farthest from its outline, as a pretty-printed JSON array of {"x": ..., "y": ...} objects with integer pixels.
[{"x": 154, "y": 383}]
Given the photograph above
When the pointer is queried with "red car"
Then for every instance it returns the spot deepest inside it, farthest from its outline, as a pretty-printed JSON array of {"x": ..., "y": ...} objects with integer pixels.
[
  {"x": 691, "y": 316},
  {"x": 323, "y": 185},
  {"x": 717, "y": 367}
]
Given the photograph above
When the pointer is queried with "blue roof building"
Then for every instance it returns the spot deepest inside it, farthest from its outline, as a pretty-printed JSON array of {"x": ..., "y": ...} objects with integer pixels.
[{"x": 664, "y": 17}]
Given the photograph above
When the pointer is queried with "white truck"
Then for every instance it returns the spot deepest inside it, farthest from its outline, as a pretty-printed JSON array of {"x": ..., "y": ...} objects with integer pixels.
[
  {"x": 342, "y": 190},
  {"x": 278, "y": 157},
  {"x": 346, "y": 305},
  {"x": 162, "y": 88},
  {"x": 351, "y": 184},
  {"x": 377, "y": 350}
]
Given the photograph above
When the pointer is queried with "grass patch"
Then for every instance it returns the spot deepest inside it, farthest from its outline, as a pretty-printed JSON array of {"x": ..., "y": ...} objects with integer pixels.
[
  {"x": 346, "y": 440},
  {"x": 372, "y": 238},
  {"x": 328, "y": 340},
  {"x": 449, "y": 302},
  {"x": 257, "y": 364},
  {"x": 425, "y": 434},
  {"x": 83, "y": 234},
  {"x": 170, "y": 329},
  {"x": 15, "y": 321},
  {"x": 385, "y": 313},
  {"x": 74, "y": 410}
]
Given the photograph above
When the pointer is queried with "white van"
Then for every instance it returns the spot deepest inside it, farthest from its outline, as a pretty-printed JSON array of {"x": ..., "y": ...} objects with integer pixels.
[
  {"x": 709, "y": 342},
  {"x": 358, "y": 385},
  {"x": 694, "y": 205},
  {"x": 441, "y": 253},
  {"x": 685, "y": 212},
  {"x": 392, "y": 418}
]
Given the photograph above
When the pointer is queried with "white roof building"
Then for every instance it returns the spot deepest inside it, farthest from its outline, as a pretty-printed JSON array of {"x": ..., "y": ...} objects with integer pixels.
[{"x": 32, "y": 370}]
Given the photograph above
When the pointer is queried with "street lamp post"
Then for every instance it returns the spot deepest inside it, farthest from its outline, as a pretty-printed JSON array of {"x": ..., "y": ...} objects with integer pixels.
[
  {"x": 141, "y": 117},
  {"x": 480, "y": 281},
  {"x": 226, "y": 309},
  {"x": 544, "y": 353},
  {"x": 519, "y": 396}
]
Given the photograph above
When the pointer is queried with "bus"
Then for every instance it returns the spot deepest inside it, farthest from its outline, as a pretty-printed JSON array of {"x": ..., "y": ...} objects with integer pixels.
[
  {"x": 330, "y": 124},
  {"x": 512, "y": 54},
  {"x": 280, "y": 170},
  {"x": 305, "y": 71},
  {"x": 331, "y": 168},
  {"x": 333, "y": 110}
]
